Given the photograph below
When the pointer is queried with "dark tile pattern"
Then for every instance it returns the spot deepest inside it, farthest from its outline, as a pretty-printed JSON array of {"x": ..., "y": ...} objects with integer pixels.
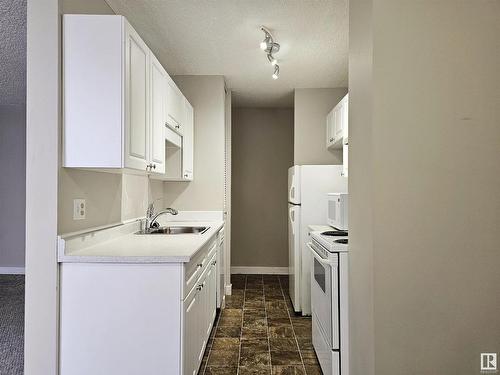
[{"x": 259, "y": 333}]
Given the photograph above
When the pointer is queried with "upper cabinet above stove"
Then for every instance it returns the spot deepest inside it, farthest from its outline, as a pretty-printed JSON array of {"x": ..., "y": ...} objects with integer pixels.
[{"x": 337, "y": 124}]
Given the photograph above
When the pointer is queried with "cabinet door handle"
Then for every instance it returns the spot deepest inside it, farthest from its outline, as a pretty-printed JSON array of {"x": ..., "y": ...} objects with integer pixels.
[
  {"x": 214, "y": 263},
  {"x": 199, "y": 287},
  {"x": 331, "y": 139},
  {"x": 154, "y": 166}
]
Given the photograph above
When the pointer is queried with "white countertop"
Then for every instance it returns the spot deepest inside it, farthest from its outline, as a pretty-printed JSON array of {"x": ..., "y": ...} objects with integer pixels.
[{"x": 120, "y": 244}]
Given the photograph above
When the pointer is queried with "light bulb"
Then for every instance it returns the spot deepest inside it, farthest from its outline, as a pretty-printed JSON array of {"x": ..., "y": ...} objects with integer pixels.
[
  {"x": 276, "y": 73},
  {"x": 264, "y": 45},
  {"x": 272, "y": 60}
]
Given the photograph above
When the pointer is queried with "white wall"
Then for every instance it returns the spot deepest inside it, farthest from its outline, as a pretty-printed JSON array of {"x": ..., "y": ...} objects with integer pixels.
[
  {"x": 206, "y": 191},
  {"x": 310, "y": 109},
  {"x": 42, "y": 154},
  {"x": 12, "y": 185},
  {"x": 424, "y": 161}
]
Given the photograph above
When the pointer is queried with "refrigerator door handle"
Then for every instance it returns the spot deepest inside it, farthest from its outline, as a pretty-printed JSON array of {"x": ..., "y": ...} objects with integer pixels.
[{"x": 291, "y": 215}]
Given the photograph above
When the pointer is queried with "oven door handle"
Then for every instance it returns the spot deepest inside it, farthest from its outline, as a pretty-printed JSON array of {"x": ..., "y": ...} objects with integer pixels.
[{"x": 319, "y": 259}]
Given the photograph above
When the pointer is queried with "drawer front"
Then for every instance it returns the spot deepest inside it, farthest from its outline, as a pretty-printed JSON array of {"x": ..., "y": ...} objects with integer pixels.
[{"x": 195, "y": 268}]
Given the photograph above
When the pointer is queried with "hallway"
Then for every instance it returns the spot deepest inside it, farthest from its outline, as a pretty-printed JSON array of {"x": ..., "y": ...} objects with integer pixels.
[{"x": 258, "y": 332}]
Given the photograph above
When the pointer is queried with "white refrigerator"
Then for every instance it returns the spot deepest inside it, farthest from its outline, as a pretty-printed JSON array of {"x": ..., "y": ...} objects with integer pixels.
[{"x": 308, "y": 186}]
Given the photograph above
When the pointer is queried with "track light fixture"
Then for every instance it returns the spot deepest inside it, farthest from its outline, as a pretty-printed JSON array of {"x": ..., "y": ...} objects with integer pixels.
[{"x": 270, "y": 47}]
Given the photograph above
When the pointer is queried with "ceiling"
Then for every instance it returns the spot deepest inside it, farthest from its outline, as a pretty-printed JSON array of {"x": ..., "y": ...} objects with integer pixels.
[
  {"x": 12, "y": 52},
  {"x": 221, "y": 37}
]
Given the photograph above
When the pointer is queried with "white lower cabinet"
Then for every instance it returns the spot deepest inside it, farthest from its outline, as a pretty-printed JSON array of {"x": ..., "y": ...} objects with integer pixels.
[
  {"x": 137, "y": 318},
  {"x": 199, "y": 315}
]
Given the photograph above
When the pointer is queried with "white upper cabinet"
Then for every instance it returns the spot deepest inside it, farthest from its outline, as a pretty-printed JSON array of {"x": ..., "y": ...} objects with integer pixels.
[
  {"x": 137, "y": 81},
  {"x": 188, "y": 142},
  {"x": 337, "y": 124},
  {"x": 345, "y": 109},
  {"x": 330, "y": 129},
  {"x": 118, "y": 99},
  {"x": 158, "y": 114},
  {"x": 175, "y": 107}
]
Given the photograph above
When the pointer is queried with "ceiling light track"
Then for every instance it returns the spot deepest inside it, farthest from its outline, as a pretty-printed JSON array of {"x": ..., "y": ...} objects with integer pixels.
[{"x": 270, "y": 47}]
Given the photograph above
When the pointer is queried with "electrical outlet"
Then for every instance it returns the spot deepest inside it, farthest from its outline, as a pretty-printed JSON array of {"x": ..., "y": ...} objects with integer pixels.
[{"x": 79, "y": 209}]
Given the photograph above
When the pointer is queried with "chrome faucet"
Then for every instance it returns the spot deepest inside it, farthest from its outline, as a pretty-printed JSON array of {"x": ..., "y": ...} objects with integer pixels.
[{"x": 151, "y": 216}]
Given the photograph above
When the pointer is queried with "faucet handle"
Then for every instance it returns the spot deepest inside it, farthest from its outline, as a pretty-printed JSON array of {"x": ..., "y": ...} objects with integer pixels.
[{"x": 151, "y": 207}]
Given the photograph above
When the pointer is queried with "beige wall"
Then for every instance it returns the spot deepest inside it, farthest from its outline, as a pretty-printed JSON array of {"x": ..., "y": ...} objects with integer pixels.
[
  {"x": 361, "y": 315},
  {"x": 432, "y": 164},
  {"x": 86, "y": 7},
  {"x": 262, "y": 152},
  {"x": 206, "y": 191},
  {"x": 311, "y": 107}
]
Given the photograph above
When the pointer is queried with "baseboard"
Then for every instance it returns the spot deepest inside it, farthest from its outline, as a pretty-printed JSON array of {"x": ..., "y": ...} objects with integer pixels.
[
  {"x": 11, "y": 270},
  {"x": 260, "y": 270}
]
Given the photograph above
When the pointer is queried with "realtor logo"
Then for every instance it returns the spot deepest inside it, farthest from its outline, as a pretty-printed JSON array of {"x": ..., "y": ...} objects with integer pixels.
[{"x": 488, "y": 362}]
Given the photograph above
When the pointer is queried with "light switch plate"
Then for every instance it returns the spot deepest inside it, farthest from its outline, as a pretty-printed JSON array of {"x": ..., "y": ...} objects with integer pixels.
[{"x": 79, "y": 209}]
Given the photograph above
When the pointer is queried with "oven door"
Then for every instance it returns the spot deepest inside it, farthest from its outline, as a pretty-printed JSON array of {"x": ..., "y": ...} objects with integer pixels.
[{"x": 321, "y": 293}]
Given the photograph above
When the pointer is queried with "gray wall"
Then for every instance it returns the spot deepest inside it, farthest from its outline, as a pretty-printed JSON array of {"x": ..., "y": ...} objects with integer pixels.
[
  {"x": 12, "y": 184},
  {"x": 262, "y": 152},
  {"x": 425, "y": 150},
  {"x": 311, "y": 107},
  {"x": 206, "y": 191}
]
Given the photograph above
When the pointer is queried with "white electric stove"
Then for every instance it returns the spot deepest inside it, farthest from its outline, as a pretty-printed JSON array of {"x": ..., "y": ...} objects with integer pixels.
[{"x": 329, "y": 300}]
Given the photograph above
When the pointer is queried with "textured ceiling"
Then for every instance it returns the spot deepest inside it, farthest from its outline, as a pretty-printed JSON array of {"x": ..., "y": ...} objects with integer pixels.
[
  {"x": 221, "y": 37},
  {"x": 12, "y": 52}
]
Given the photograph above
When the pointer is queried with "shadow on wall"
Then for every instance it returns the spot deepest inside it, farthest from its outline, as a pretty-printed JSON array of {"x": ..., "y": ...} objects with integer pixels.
[{"x": 173, "y": 192}]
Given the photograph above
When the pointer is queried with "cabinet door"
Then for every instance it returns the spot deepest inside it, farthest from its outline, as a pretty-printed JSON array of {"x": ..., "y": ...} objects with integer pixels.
[
  {"x": 212, "y": 294},
  {"x": 188, "y": 142},
  {"x": 345, "y": 160},
  {"x": 328, "y": 125},
  {"x": 345, "y": 118},
  {"x": 202, "y": 321},
  {"x": 192, "y": 328},
  {"x": 339, "y": 120},
  {"x": 158, "y": 116},
  {"x": 330, "y": 128},
  {"x": 136, "y": 100},
  {"x": 175, "y": 106},
  {"x": 220, "y": 274}
]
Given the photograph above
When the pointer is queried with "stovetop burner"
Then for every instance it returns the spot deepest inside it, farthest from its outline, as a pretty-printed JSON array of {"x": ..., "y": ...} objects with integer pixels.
[
  {"x": 341, "y": 240},
  {"x": 335, "y": 233}
]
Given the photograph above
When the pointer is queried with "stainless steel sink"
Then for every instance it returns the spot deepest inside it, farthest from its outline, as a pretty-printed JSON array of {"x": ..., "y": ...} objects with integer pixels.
[{"x": 176, "y": 230}]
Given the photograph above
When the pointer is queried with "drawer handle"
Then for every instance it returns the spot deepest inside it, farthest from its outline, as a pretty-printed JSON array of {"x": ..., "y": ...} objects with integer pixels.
[
  {"x": 199, "y": 265},
  {"x": 199, "y": 287},
  {"x": 214, "y": 263}
]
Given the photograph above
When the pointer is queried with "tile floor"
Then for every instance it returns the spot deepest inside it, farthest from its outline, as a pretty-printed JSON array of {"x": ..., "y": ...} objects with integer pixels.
[{"x": 258, "y": 332}]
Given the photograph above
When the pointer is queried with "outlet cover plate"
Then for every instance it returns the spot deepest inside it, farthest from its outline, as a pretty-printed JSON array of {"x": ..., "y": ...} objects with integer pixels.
[{"x": 79, "y": 209}]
